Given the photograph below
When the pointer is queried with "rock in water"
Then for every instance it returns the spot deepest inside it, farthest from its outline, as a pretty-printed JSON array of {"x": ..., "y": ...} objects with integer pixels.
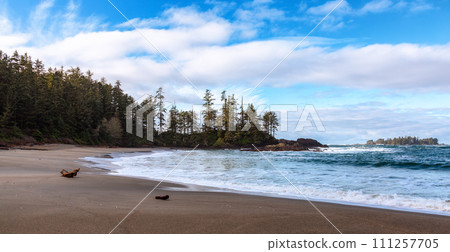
[{"x": 301, "y": 144}]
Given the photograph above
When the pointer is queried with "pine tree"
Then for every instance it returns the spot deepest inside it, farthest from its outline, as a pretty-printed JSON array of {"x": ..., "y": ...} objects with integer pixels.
[
  {"x": 270, "y": 122},
  {"x": 225, "y": 117},
  {"x": 161, "y": 109},
  {"x": 231, "y": 113},
  {"x": 173, "y": 115},
  {"x": 68, "y": 105},
  {"x": 209, "y": 114}
]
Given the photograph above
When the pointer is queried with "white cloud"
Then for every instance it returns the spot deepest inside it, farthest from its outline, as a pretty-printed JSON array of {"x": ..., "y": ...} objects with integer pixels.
[
  {"x": 345, "y": 10},
  {"x": 420, "y": 5},
  {"x": 402, "y": 66},
  {"x": 198, "y": 46},
  {"x": 9, "y": 42},
  {"x": 376, "y": 6},
  {"x": 258, "y": 11},
  {"x": 336, "y": 19},
  {"x": 39, "y": 17},
  {"x": 177, "y": 17},
  {"x": 47, "y": 24},
  {"x": 249, "y": 18},
  {"x": 324, "y": 9},
  {"x": 5, "y": 25}
]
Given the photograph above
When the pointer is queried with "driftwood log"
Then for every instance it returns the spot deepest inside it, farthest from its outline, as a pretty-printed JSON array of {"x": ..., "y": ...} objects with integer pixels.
[
  {"x": 162, "y": 197},
  {"x": 69, "y": 174}
]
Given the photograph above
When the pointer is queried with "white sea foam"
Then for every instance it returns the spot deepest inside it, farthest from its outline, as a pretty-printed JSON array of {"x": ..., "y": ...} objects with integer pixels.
[{"x": 358, "y": 149}]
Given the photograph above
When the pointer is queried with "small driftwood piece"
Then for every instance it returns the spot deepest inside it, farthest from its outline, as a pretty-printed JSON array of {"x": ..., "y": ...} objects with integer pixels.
[
  {"x": 162, "y": 197},
  {"x": 69, "y": 174}
]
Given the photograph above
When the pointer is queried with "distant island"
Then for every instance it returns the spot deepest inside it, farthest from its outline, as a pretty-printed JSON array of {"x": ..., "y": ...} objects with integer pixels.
[{"x": 407, "y": 140}]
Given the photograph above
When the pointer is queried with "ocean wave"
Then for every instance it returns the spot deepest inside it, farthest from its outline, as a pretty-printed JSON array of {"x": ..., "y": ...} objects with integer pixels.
[
  {"x": 346, "y": 150},
  {"x": 312, "y": 193},
  {"x": 317, "y": 175}
]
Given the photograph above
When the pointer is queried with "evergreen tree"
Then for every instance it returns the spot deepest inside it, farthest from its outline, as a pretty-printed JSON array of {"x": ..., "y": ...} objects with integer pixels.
[
  {"x": 225, "y": 117},
  {"x": 68, "y": 105},
  {"x": 161, "y": 109},
  {"x": 270, "y": 122},
  {"x": 209, "y": 113},
  {"x": 232, "y": 120},
  {"x": 174, "y": 121}
]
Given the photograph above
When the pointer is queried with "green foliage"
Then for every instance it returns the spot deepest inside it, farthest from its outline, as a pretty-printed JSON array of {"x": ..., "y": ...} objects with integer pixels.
[
  {"x": 16, "y": 132},
  {"x": 37, "y": 134},
  {"x": 2, "y": 134},
  {"x": 160, "y": 108},
  {"x": 69, "y": 106},
  {"x": 209, "y": 113},
  {"x": 210, "y": 138},
  {"x": 57, "y": 103},
  {"x": 270, "y": 122},
  {"x": 219, "y": 143}
]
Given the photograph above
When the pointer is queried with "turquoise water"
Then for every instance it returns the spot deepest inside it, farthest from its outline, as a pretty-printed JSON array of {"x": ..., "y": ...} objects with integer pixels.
[{"x": 401, "y": 177}]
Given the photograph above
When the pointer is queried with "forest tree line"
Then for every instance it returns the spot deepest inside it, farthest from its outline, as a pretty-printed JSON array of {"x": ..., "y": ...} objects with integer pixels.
[
  {"x": 226, "y": 125},
  {"x": 39, "y": 105}
]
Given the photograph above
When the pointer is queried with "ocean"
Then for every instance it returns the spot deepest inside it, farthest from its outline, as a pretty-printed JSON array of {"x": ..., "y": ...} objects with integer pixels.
[{"x": 411, "y": 178}]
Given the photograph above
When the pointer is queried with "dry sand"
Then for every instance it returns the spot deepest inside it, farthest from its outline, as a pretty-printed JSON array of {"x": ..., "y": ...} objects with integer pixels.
[{"x": 34, "y": 198}]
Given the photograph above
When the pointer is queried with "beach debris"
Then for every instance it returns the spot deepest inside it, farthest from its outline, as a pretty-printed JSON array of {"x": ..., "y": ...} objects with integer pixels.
[
  {"x": 69, "y": 174},
  {"x": 162, "y": 197}
]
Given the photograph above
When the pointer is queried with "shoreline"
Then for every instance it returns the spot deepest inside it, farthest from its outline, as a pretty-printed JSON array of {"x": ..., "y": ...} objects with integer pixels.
[
  {"x": 37, "y": 200},
  {"x": 211, "y": 188},
  {"x": 203, "y": 188}
]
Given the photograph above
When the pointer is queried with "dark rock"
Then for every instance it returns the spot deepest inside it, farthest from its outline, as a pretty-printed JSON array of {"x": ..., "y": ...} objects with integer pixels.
[{"x": 301, "y": 144}]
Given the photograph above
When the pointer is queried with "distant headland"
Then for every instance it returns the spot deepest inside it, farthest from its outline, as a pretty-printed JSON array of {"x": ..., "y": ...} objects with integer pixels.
[{"x": 407, "y": 140}]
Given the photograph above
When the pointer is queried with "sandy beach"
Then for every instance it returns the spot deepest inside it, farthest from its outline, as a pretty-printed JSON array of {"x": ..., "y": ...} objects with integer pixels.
[{"x": 36, "y": 199}]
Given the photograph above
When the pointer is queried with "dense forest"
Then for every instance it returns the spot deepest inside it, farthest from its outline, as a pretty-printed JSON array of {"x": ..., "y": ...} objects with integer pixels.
[
  {"x": 229, "y": 126},
  {"x": 39, "y": 105},
  {"x": 405, "y": 141}
]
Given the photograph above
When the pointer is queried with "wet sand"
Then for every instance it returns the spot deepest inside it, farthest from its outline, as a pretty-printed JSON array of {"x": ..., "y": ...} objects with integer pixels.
[{"x": 34, "y": 198}]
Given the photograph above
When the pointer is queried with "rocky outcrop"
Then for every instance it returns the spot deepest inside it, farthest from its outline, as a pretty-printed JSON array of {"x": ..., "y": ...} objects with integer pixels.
[{"x": 301, "y": 144}]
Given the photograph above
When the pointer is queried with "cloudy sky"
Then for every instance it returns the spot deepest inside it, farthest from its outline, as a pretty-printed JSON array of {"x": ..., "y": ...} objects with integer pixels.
[{"x": 371, "y": 69}]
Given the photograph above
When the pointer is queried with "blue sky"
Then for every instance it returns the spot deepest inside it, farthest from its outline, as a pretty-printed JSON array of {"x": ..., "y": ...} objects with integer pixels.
[{"x": 376, "y": 68}]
